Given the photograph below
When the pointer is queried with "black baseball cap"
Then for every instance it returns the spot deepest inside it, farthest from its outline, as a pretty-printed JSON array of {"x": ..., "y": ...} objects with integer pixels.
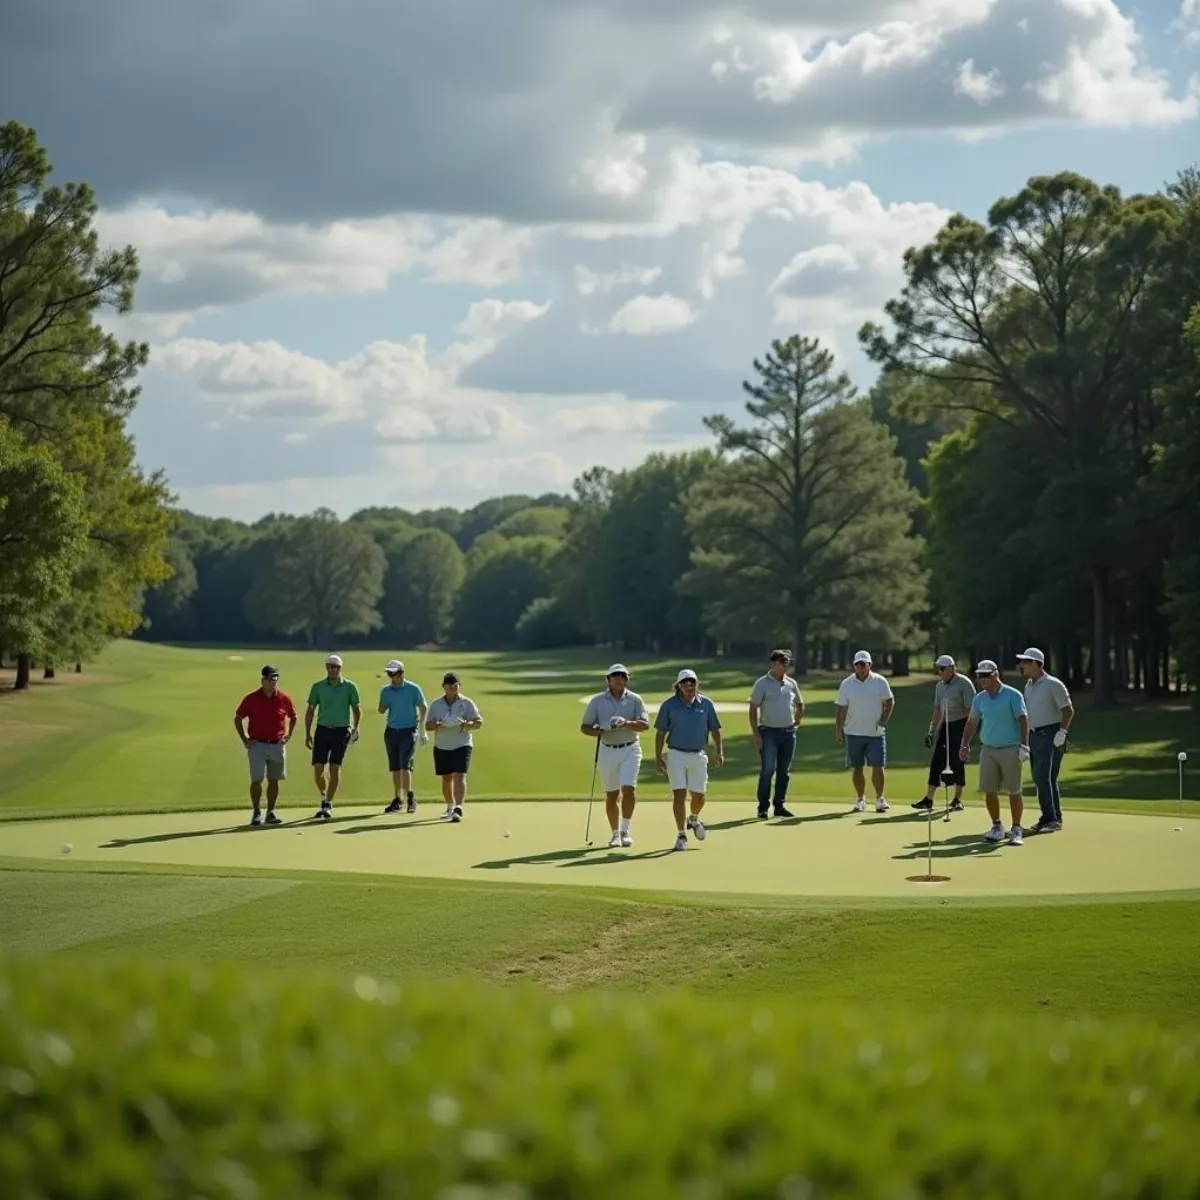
[
  {"x": 270, "y": 672},
  {"x": 450, "y": 677}
]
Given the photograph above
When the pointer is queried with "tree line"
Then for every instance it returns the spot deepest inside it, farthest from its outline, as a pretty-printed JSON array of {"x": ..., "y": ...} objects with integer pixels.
[{"x": 1026, "y": 468}]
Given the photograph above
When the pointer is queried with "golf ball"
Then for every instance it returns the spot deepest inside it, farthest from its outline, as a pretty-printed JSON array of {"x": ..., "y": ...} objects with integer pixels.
[
  {"x": 1182, "y": 756},
  {"x": 507, "y": 834},
  {"x": 66, "y": 848},
  {"x": 1178, "y": 828}
]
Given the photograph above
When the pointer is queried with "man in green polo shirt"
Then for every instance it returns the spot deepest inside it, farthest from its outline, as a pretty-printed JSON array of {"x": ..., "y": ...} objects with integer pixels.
[{"x": 336, "y": 700}]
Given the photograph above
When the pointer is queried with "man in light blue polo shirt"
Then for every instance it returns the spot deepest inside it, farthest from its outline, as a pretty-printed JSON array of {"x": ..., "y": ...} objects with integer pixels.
[
  {"x": 404, "y": 703},
  {"x": 684, "y": 723},
  {"x": 1000, "y": 711}
]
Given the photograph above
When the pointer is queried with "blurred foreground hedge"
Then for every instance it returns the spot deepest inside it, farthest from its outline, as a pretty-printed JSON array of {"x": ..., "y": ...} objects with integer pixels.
[{"x": 150, "y": 1081}]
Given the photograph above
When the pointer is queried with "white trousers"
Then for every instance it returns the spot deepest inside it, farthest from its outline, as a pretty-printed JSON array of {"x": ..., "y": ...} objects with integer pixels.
[
  {"x": 687, "y": 772},
  {"x": 619, "y": 766}
]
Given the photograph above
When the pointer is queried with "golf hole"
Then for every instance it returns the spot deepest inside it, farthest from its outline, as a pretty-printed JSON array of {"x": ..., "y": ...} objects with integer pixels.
[{"x": 928, "y": 878}]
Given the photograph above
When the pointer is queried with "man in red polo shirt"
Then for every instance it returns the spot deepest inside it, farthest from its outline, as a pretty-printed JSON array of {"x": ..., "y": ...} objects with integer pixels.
[{"x": 272, "y": 717}]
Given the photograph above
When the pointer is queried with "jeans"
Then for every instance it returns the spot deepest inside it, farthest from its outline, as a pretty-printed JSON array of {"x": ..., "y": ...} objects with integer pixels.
[
  {"x": 1045, "y": 760},
  {"x": 778, "y": 750}
]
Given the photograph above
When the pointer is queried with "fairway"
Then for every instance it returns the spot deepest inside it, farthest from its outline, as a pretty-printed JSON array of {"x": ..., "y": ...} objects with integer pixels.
[{"x": 821, "y": 852}]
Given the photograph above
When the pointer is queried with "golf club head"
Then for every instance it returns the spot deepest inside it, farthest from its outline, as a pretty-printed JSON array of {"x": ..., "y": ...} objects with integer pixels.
[{"x": 947, "y": 778}]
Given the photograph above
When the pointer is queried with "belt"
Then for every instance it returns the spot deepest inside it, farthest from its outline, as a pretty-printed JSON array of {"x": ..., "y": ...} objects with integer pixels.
[
  {"x": 1045, "y": 728},
  {"x": 679, "y": 750},
  {"x": 779, "y": 728},
  {"x": 268, "y": 741},
  {"x": 618, "y": 745},
  {"x": 410, "y": 729}
]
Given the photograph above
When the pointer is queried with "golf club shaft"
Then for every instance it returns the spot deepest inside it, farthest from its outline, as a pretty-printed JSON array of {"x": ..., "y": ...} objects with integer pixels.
[{"x": 587, "y": 833}]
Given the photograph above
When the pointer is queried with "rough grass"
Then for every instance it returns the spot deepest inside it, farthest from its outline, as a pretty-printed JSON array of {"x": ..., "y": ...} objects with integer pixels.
[
  {"x": 144, "y": 1081},
  {"x": 152, "y": 730}
]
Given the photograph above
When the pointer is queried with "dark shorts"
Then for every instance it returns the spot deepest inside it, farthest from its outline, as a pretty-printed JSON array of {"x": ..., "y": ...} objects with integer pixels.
[
  {"x": 329, "y": 746},
  {"x": 401, "y": 748},
  {"x": 937, "y": 759},
  {"x": 452, "y": 762}
]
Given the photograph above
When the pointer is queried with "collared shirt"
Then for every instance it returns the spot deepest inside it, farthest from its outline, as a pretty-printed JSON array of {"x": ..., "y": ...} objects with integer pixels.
[
  {"x": 603, "y": 706},
  {"x": 999, "y": 716},
  {"x": 334, "y": 702},
  {"x": 268, "y": 715},
  {"x": 777, "y": 700},
  {"x": 687, "y": 726},
  {"x": 958, "y": 695},
  {"x": 463, "y": 709},
  {"x": 863, "y": 700},
  {"x": 402, "y": 703},
  {"x": 1046, "y": 698}
]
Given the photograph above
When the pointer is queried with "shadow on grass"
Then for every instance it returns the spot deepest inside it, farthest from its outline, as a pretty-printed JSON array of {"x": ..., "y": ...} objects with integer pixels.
[
  {"x": 546, "y": 858},
  {"x": 391, "y": 826},
  {"x": 965, "y": 845},
  {"x": 612, "y": 859},
  {"x": 183, "y": 834}
]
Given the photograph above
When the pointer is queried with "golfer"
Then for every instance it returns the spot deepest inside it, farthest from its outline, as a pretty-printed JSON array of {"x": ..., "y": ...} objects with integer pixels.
[
  {"x": 684, "y": 723},
  {"x": 404, "y": 704},
  {"x": 1050, "y": 715},
  {"x": 1000, "y": 710},
  {"x": 451, "y": 719},
  {"x": 272, "y": 721},
  {"x": 776, "y": 710},
  {"x": 336, "y": 700},
  {"x": 617, "y": 716},
  {"x": 861, "y": 711},
  {"x": 953, "y": 695}
]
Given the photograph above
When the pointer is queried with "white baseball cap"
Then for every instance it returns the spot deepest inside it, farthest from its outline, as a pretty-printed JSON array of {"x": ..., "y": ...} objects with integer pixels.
[
  {"x": 861, "y": 656},
  {"x": 986, "y": 667},
  {"x": 685, "y": 674},
  {"x": 944, "y": 661},
  {"x": 617, "y": 669},
  {"x": 394, "y": 666},
  {"x": 1033, "y": 654},
  {"x": 333, "y": 661}
]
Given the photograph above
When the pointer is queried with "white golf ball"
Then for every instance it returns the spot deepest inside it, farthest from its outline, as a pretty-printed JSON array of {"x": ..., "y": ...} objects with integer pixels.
[
  {"x": 1178, "y": 828},
  {"x": 1182, "y": 756},
  {"x": 507, "y": 834},
  {"x": 66, "y": 848}
]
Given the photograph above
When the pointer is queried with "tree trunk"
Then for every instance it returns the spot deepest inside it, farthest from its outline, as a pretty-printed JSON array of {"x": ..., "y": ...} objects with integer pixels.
[
  {"x": 843, "y": 656},
  {"x": 1102, "y": 684},
  {"x": 48, "y": 673},
  {"x": 79, "y": 668},
  {"x": 900, "y": 667},
  {"x": 826, "y": 656},
  {"x": 24, "y": 662},
  {"x": 800, "y": 648}
]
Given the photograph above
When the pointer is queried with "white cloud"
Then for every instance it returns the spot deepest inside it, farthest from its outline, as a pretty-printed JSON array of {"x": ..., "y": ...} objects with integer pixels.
[
  {"x": 601, "y": 414},
  {"x": 589, "y": 282},
  {"x": 484, "y": 253},
  {"x": 1189, "y": 21},
  {"x": 980, "y": 86},
  {"x": 648, "y": 316}
]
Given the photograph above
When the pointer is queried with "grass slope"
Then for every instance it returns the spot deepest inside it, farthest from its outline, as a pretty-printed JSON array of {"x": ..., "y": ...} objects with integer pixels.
[
  {"x": 150, "y": 728},
  {"x": 149, "y": 1081},
  {"x": 1113, "y": 959}
]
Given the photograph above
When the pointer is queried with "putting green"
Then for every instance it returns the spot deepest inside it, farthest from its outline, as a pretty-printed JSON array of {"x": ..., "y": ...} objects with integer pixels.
[{"x": 823, "y": 851}]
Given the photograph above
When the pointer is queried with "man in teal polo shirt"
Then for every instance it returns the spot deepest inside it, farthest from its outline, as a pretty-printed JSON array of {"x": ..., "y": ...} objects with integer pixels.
[
  {"x": 336, "y": 700},
  {"x": 404, "y": 703},
  {"x": 1000, "y": 710}
]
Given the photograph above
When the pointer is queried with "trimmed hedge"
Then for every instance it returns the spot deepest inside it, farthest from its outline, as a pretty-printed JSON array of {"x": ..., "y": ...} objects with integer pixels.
[{"x": 140, "y": 1080}]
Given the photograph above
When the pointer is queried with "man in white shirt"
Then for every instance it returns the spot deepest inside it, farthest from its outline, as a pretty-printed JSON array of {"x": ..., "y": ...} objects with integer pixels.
[
  {"x": 861, "y": 712},
  {"x": 616, "y": 716}
]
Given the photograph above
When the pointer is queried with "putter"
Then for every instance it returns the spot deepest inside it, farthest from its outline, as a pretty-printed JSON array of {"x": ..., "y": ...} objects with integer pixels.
[
  {"x": 1181, "y": 757},
  {"x": 947, "y": 773},
  {"x": 587, "y": 834}
]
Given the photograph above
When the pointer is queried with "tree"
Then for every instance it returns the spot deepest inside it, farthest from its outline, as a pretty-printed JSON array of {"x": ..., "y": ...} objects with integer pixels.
[
  {"x": 806, "y": 527},
  {"x": 43, "y": 534},
  {"x": 544, "y": 521},
  {"x": 500, "y": 588},
  {"x": 547, "y": 625},
  {"x": 1037, "y": 318},
  {"x": 322, "y": 578},
  {"x": 168, "y": 608},
  {"x": 423, "y": 579}
]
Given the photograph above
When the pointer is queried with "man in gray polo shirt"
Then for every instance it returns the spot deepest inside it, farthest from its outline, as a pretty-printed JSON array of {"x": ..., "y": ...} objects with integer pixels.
[
  {"x": 616, "y": 716},
  {"x": 776, "y": 710},
  {"x": 952, "y": 699},
  {"x": 1050, "y": 716}
]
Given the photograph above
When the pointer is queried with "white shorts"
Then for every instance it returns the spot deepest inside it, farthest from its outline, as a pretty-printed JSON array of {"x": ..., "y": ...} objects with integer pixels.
[
  {"x": 619, "y": 766},
  {"x": 687, "y": 772}
]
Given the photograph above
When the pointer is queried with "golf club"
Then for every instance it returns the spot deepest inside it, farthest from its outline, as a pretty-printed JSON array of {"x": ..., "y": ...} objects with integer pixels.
[
  {"x": 947, "y": 773},
  {"x": 1181, "y": 758},
  {"x": 587, "y": 835}
]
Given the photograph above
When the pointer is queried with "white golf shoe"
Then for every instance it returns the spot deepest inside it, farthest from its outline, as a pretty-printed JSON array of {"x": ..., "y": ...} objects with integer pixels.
[
  {"x": 681, "y": 842},
  {"x": 697, "y": 827},
  {"x": 1015, "y": 837},
  {"x": 860, "y": 806},
  {"x": 881, "y": 805},
  {"x": 448, "y": 815},
  {"x": 996, "y": 833},
  {"x": 615, "y": 841},
  {"x": 627, "y": 839}
]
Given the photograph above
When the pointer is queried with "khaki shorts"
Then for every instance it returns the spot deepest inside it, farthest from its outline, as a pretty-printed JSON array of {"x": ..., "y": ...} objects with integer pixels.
[
  {"x": 267, "y": 759},
  {"x": 1000, "y": 770}
]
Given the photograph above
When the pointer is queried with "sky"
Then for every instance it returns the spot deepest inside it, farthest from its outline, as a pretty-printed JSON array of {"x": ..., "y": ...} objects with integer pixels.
[{"x": 402, "y": 253}]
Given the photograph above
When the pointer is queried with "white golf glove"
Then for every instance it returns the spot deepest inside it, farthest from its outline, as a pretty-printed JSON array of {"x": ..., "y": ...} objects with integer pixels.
[
  {"x": 1023, "y": 754},
  {"x": 422, "y": 738},
  {"x": 1060, "y": 738},
  {"x": 353, "y": 736}
]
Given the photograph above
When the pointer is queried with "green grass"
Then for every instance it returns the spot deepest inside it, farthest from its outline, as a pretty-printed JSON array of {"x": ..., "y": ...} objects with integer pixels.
[
  {"x": 140, "y": 1081},
  {"x": 149, "y": 728}
]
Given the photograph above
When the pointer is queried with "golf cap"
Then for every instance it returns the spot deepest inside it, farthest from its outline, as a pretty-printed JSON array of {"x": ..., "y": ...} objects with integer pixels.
[
  {"x": 333, "y": 661},
  {"x": 944, "y": 661},
  {"x": 450, "y": 677},
  {"x": 394, "y": 667},
  {"x": 684, "y": 675},
  {"x": 270, "y": 672},
  {"x": 986, "y": 667},
  {"x": 1033, "y": 654},
  {"x": 617, "y": 669},
  {"x": 861, "y": 656}
]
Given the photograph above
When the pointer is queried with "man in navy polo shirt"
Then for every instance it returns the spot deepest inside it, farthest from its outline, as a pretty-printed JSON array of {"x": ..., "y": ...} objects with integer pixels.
[
  {"x": 404, "y": 703},
  {"x": 684, "y": 723},
  {"x": 272, "y": 720}
]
